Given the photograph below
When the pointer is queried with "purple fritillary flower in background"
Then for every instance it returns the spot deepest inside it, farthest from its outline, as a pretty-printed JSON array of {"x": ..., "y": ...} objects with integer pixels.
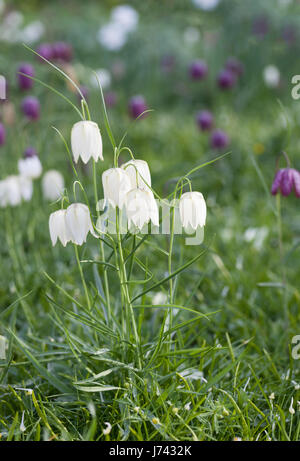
[
  {"x": 29, "y": 152},
  {"x": 286, "y": 179},
  {"x": 204, "y": 120},
  {"x": 226, "y": 79},
  {"x": 137, "y": 105},
  {"x": 25, "y": 83},
  {"x": 62, "y": 51},
  {"x": 2, "y": 134},
  {"x": 46, "y": 51},
  {"x": 235, "y": 66},
  {"x": 219, "y": 139},
  {"x": 260, "y": 26},
  {"x": 31, "y": 107},
  {"x": 110, "y": 98},
  {"x": 198, "y": 70}
]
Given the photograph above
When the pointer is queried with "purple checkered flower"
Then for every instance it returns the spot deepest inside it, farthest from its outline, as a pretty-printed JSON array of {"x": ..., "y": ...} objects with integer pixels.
[
  {"x": 29, "y": 152},
  {"x": 204, "y": 120},
  {"x": 226, "y": 79},
  {"x": 2, "y": 134},
  {"x": 62, "y": 51},
  {"x": 31, "y": 107},
  {"x": 219, "y": 139},
  {"x": 286, "y": 179},
  {"x": 198, "y": 70},
  {"x": 25, "y": 83},
  {"x": 137, "y": 105},
  {"x": 46, "y": 51}
]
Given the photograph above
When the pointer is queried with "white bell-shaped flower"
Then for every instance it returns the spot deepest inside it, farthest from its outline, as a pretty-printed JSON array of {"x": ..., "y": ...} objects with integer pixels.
[
  {"x": 14, "y": 189},
  {"x": 78, "y": 223},
  {"x": 58, "y": 227},
  {"x": 52, "y": 185},
  {"x": 116, "y": 183},
  {"x": 141, "y": 208},
  {"x": 86, "y": 141},
  {"x": 30, "y": 167},
  {"x": 139, "y": 173},
  {"x": 192, "y": 209}
]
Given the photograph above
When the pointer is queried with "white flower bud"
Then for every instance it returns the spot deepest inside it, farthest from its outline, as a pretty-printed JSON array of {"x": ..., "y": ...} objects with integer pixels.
[
  {"x": 141, "y": 208},
  {"x": 14, "y": 189},
  {"x": 52, "y": 185},
  {"x": 78, "y": 223},
  {"x": 58, "y": 228},
  {"x": 139, "y": 174},
  {"x": 116, "y": 184},
  {"x": 30, "y": 167},
  {"x": 192, "y": 209},
  {"x": 86, "y": 141},
  {"x": 271, "y": 76}
]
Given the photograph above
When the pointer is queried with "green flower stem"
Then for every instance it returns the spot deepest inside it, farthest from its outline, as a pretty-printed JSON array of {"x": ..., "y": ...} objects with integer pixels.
[
  {"x": 82, "y": 279},
  {"x": 125, "y": 293},
  {"x": 102, "y": 252}
]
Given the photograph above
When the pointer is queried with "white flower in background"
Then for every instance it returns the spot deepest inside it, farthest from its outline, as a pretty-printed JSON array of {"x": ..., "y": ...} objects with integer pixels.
[
  {"x": 291, "y": 409},
  {"x": 112, "y": 37},
  {"x": 33, "y": 32},
  {"x": 78, "y": 223},
  {"x": 206, "y": 5},
  {"x": 192, "y": 209},
  {"x": 191, "y": 35},
  {"x": 257, "y": 235},
  {"x": 52, "y": 185},
  {"x": 116, "y": 183},
  {"x": 126, "y": 17},
  {"x": 10, "y": 28},
  {"x": 22, "y": 425},
  {"x": 139, "y": 173},
  {"x": 141, "y": 208},
  {"x": 103, "y": 76},
  {"x": 86, "y": 141},
  {"x": 159, "y": 298},
  {"x": 14, "y": 189},
  {"x": 271, "y": 76},
  {"x": 30, "y": 167},
  {"x": 58, "y": 227}
]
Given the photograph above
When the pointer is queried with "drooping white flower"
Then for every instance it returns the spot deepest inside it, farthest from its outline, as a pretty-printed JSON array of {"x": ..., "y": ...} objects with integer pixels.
[
  {"x": 14, "y": 189},
  {"x": 86, "y": 141},
  {"x": 192, "y": 209},
  {"x": 103, "y": 76},
  {"x": 126, "y": 17},
  {"x": 271, "y": 76},
  {"x": 116, "y": 183},
  {"x": 206, "y": 5},
  {"x": 139, "y": 173},
  {"x": 108, "y": 428},
  {"x": 78, "y": 223},
  {"x": 141, "y": 208},
  {"x": 52, "y": 185},
  {"x": 30, "y": 167},
  {"x": 58, "y": 227},
  {"x": 112, "y": 37}
]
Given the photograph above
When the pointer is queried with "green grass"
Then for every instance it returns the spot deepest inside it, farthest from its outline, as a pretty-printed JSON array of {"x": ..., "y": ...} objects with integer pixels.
[{"x": 67, "y": 371}]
